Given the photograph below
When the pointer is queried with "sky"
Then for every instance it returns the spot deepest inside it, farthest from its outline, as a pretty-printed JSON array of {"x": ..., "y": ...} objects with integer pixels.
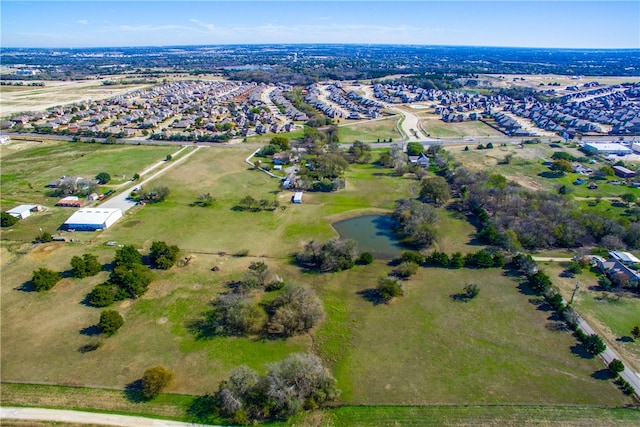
[{"x": 553, "y": 24}]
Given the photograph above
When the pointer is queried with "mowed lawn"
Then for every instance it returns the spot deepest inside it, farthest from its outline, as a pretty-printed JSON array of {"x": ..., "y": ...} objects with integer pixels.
[
  {"x": 439, "y": 129},
  {"x": 424, "y": 348}
]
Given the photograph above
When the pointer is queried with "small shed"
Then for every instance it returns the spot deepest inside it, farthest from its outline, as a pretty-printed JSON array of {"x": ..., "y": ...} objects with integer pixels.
[
  {"x": 70, "y": 202},
  {"x": 297, "y": 197},
  {"x": 22, "y": 211}
]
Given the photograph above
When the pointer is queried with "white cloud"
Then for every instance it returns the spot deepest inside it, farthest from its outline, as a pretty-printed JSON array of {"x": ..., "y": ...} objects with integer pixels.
[
  {"x": 209, "y": 27},
  {"x": 83, "y": 21}
]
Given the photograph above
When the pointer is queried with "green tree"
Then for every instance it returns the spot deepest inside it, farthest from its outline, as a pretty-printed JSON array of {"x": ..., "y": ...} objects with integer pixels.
[
  {"x": 593, "y": 344},
  {"x": 281, "y": 142},
  {"x": 103, "y": 178},
  {"x": 561, "y": 167},
  {"x": 539, "y": 282},
  {"x": 154, "y": 380},
  {"x": 168, "y": 157},
  {"x": 7, "y": 220},
  {"x": 163, "y": 256},
  {"x": 86, "y": 266},
  {"x": 616, "y": 367},
  {"x": 635, "y": 332},
  {"x": 414, "y": 148},
  {"x": 405, "y": 269},
  {"x": 44, "y": 279},
  {"x": 127, "y": 255},
  {"x": 436, "y": 189},
  {"x": 132, "y": 279},
  {"x": 457, "y": 260},
  {"x": 235, "y": 314},
  {"x": 359, "y": 152},
  {"x": 102, "y": 295},
  {"x": 389, "y": 288},
  {"x": 629, "y": 198},
  {"x": 110, "y": 321}
]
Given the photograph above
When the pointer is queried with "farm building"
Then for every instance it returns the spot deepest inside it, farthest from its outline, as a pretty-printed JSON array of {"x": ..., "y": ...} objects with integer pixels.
[
  {"x": 22, "y": 211},
  {"x": 91, "y": 219},
  {"x": 607, "y": 148},
  {"x": 623, "y": 172},
  {"x": 297, "y": 197},
  {"x": 70, "y": 202}
]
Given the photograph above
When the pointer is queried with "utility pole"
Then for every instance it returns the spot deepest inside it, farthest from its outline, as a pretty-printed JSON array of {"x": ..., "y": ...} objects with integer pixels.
[{"x": 574, "y": 292}]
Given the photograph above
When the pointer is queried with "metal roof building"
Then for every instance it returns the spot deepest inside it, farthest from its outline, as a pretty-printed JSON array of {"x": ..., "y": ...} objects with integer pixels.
[{"x": 91, "y": 219}]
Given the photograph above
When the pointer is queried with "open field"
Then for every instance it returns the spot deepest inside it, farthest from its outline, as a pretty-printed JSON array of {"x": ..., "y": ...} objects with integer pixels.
[
  {"x": 423, "y": 349},
  {"x": 534, "y": 80},
  {"x": 611, "y": 316},
  {"x": 369, "y": 130},
  {"x": 16, "y": 99},
  {"x": 471, "y": 129}
]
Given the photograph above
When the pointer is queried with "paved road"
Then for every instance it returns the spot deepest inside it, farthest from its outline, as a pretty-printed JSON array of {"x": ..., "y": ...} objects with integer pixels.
[
  {"x": 608, "y": 355},
  {"x": 79, "y": 417},
  {"x": 551, "y": 258},
  {"x": 121, "y": 201}
]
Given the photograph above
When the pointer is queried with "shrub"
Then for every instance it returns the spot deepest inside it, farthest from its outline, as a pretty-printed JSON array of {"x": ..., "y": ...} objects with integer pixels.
[
  {"x": 405, "y": 269},
  {"x": 471, "y": 290},
  {"x": 296, "y": 310},
  {"x": 635, "y": 332},
  {"x": 539, "y": 282},
  {"x": 389, "y": 288},
  {"x": 412, "y": 256},
  {"x": 44, "y": 279},
  {"x": 438, "y": 259},
  {"x": 365, "y": 258},
  {"x": 154, "y": 380},
  {"x": 625, "y": 386},
  {"x": 110, "y": 322}
]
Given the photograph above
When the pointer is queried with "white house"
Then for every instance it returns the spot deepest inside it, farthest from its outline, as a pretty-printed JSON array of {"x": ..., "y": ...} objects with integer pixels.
[{"x": 92, "y": 219}]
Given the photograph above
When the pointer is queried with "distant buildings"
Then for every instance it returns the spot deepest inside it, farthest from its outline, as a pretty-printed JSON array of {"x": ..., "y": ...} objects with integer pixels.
[{"x": 607, "y": 148}]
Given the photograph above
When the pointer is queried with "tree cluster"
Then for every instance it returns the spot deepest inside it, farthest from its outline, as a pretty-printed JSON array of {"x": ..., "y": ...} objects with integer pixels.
[
  {"x": 128, "y": 279},
  {"x": 250, "y": 204},
  {"x": 480, "y": 259},
  {"x": 289, "y": 386},
  {"x": 44, "y": 279},
  {"x": 154, "y": 380},
  {"x": 154, "y": 195},
  {"x": 415, "y": 223},
  {"x": 85, "y": 266},
  {"x": 334, "y": 255},
  {"x": 513, "y": 217}
]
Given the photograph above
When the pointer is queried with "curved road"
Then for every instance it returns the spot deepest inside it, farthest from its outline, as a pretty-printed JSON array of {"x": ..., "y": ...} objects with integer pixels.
[{"x": 80, "y": 417}]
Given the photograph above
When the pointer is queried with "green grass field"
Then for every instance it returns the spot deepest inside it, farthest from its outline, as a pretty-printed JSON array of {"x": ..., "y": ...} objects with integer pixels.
[
  {"x": 441, "y": 130},
  {"x": 422, "y": 349},
  {"x": 369, "y": 130}
]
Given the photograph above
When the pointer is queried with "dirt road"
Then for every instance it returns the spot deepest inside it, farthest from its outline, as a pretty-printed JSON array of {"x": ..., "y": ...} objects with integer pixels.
[{"x": 79, "y": 417}]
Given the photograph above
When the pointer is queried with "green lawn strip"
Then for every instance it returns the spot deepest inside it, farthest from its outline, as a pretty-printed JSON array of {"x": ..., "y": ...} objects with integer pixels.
[
  {"x": 165, "y": 406},
  {"x": 480, "y": 415}
]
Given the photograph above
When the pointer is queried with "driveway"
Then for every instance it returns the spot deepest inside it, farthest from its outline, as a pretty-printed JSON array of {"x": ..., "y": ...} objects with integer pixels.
[
  {"x": 79, "y": 417},
  {"x": 121, "y": 201}
]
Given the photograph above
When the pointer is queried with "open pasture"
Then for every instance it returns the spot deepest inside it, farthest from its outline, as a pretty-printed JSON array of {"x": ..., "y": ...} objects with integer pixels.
[
  {"x": 422, "y": 349},
  {"x": 471, "y": 129},
  {"x": 369, "y": 130}
]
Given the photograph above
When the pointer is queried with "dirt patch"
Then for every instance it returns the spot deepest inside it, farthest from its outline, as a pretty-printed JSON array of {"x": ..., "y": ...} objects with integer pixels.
[
  {"x": 162, "y": 320},
  {"x": 526, "y": 182},
  {"x": 197, "y": 287},
  {"x": 44, "y": 250}
]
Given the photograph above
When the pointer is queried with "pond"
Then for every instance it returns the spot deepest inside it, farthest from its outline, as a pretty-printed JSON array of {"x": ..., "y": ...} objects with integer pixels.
[{"x": 372, "y": 233}]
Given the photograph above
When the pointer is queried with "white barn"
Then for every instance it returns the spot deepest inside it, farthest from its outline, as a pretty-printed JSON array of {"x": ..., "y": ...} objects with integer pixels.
[
  {"x": 22, "y": 211},
  {"x": 91, "y": 219}
]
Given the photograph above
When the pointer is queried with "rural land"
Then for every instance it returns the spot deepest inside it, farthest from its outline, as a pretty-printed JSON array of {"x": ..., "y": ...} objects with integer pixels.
[{"x": 292, "y": 235}]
